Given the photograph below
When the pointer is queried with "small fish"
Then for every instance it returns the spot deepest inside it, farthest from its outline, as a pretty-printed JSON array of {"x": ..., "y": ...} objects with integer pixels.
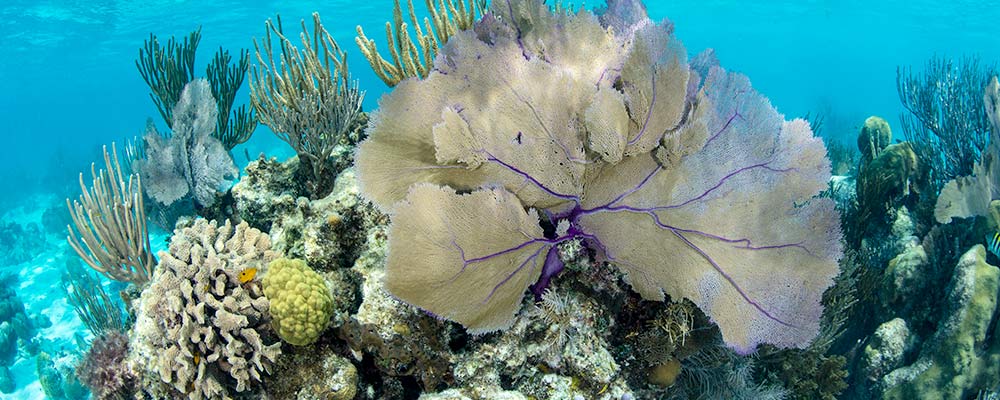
[
  {"x": 247, "y": 275},
  {"x": 993, "y": 243},
  {"x": 197, "y": 359}
]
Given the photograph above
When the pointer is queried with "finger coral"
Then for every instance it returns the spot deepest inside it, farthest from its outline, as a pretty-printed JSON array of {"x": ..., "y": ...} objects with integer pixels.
[
  {"x": 538, "y": 127},
  {"x": 198, "y": 332}
]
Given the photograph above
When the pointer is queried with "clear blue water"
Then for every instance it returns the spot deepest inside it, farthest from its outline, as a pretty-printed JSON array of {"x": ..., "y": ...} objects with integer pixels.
[{"x": 68, "y": 82}]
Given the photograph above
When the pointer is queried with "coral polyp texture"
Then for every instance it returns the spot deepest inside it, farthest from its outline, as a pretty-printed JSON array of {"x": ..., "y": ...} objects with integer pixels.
[
  {"x": 200, "y": 330},
  {"x": 539, "y": 127},
  {"x": 301, "y": 304}
]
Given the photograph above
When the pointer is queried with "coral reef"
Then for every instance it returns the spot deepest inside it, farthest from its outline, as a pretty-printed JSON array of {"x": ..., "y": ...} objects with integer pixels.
[
  {"x": 946, "y": 124},
  {"x": 578, "y": 211},
  {"x": 407, "y": 61},
  {"x": 906, "y": 279},
  {"x": 682, "y": 176},
  {"x": 57, "y": 381},
  {"x": 19, "y": 243},
  {"x": 887, "y": 349},
  {"x": 301, "y": 304},
  {"x": 7, "y": 384},
  {"x": 886, "y": 174},
  {"x": 91, "y": 302},
  {"x": 716, "y": 372},
  {"x": 109, "y": 224},
  {"x": 804, "y": 373},
  {"x": 327, "y": 233},
  {"x": 307, "y": 98},
  {"x": 314, "y": 373},
  {"x": 968, "y": 196},
  {"x": 874, "y": 137},
  {"x": 399, "y": 341},
  {"x": 962, "y": 355},
  {"x": 201, "y": 331},
  {"x": 167, "y": 69},
  {"x": 16, "y": 330}
]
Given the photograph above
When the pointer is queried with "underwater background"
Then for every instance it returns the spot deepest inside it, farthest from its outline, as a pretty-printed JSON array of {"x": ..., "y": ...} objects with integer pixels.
[{"x": 69, "y": 85}]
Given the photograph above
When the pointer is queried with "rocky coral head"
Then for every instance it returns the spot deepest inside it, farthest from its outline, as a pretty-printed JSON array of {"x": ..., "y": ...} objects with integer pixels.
[{"x": 681, "y": 175}]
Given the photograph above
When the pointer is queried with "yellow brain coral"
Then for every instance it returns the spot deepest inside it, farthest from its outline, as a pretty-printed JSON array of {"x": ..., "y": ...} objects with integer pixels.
[{"x": 301, "y": 304}]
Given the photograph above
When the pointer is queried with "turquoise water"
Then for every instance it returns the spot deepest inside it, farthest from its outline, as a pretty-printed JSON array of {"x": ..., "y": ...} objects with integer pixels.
[{"x": 69, "y": 85}]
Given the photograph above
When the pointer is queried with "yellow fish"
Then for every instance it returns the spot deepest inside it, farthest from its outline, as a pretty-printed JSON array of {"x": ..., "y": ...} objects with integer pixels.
[
  {"x": 993, "y": 243},
  {"x": 247, "y": 275}
]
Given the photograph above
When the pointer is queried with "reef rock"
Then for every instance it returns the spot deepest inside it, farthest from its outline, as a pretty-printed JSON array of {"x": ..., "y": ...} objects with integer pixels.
[
  {"x": 905, "y": 281},
  {"x": 327, "y": 233},
  {"x": 961, "y": 356},
  {"x": 886, "y": 349},
  {"x": 314, "y": 373}
]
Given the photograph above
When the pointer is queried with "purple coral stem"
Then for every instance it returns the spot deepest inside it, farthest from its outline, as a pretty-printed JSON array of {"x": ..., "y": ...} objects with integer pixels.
[
  {"x": 533, "y": 181},
  {"x": 649, "y": 113}
]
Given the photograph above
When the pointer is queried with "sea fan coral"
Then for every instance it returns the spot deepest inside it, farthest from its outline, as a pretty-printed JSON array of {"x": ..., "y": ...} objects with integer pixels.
[
  {"x": 190, "y": 161},
  {"x": 540, "y": 127}
]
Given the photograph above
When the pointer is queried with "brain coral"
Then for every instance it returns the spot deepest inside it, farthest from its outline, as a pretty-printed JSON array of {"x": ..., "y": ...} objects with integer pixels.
[
  {"x": 198, "y": 327},
  {"x": 538, "y": 127},
  {"x": 301, "y": 304}
]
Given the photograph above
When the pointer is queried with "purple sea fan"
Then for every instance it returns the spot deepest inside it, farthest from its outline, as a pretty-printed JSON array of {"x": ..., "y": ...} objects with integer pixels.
[{"x": 682, "y": 176}]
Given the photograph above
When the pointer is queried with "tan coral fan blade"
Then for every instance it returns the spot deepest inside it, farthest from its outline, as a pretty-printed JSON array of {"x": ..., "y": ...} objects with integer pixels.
[{"x": 435, "y": 228}]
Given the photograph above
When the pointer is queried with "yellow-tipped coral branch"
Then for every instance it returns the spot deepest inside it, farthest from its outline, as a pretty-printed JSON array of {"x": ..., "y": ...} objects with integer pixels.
[{"x": 447, "y": 18}]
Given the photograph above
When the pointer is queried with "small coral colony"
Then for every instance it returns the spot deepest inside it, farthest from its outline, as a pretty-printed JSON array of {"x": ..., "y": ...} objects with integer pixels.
[{"x": 551, "y": 203}]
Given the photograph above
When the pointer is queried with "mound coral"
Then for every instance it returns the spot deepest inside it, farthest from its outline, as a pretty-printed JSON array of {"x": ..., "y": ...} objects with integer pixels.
[
  {"x": 538, "y": 127},
  {"x": 199, "y": 325},
  {"x": 301, "y": 304},
  {"x": 963, "y": 354}
]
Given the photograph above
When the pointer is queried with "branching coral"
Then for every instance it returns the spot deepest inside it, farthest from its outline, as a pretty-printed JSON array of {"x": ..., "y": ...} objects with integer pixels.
[
  {"x": 946, "y": 122},
  {"x": 109, "y": 224},
  {"x": 167, "y": 69},
  {"x": 92, "y": 303},
  {"x": 199, "y": 327},
  {"x": 969, "y": 196},
  {"x": 407, "y": 61},
  {"x": 538, "y": 128},
  {"x": 306, "y": 97}
]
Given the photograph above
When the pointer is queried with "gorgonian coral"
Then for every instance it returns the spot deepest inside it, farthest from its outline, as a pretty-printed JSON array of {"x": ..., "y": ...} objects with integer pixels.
[{"x": 538, "y": 127}]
